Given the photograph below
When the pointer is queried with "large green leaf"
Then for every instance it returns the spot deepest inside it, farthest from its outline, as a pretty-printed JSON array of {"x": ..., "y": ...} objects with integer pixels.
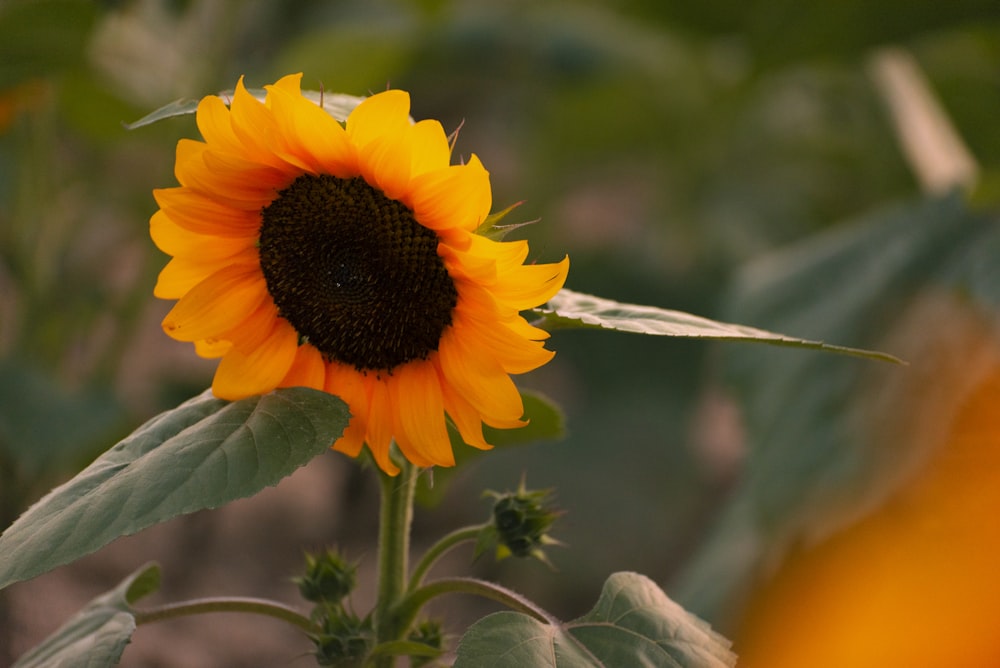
[
  {"x": 203, "y": 454},
  {"x": 821, "y": 446},
  {"x": 97, "y": 635},
  {"x": 570, "y": 309},
  {"x": 633, "y": 624}
]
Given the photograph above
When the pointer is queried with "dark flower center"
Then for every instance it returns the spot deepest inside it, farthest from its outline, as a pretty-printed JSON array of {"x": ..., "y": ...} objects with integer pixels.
[{"x": 354, "y": 272}]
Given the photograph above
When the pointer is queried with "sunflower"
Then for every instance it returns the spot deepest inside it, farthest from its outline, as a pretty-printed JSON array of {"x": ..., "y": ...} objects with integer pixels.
[{"x": 346, "y": 258}]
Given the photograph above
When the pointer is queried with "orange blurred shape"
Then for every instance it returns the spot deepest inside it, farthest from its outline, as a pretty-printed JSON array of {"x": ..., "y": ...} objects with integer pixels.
[
  {"x": 18, "y": 99},
  {"x": 916, "y": 582}
]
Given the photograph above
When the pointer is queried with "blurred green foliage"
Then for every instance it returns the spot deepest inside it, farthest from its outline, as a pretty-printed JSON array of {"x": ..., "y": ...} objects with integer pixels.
[
  {"x": 830, "y": 439},
  {"x": 663, "y": 145}
]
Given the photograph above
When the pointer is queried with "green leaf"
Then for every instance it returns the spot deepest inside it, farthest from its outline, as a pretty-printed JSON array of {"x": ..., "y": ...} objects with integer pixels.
[
  {"x": 633, "y": 624},
  {"x": 570, "y": 309},
  {"x": 337, "y": 105},
  {"x": 203, "y": 454},
  {"x": 181, "y": 107},
  {"x": 98, "y": 634}
]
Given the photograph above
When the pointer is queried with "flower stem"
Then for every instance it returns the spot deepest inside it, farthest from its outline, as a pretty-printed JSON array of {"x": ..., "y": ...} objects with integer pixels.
[
  {"x": 456, "y": 537},
  {"x": 459, "y": 585},
  {"x": 393, "y": 555},
  {"x": 199, "y": 606}
]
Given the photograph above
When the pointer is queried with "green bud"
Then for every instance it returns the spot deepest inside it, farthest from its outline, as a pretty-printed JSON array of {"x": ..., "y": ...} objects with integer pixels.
[
  {"x": 343, "y": 640},
  {"x": 328, "y": 579},
  {"x": 428, "y": 633},
  {"x": 521, "y": 521}
]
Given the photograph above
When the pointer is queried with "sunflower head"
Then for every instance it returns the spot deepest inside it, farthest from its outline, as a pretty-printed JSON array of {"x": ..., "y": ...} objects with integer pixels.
[{"x": 345, "y": 257}]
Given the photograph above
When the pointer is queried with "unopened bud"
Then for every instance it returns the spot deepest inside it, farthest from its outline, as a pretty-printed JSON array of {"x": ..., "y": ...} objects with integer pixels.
[
  {"x": 329, "y": 578},
  {"x": 430, "y": 634},
  {"x": 521, "y": 521},
  {"x": 343, "y": 641}
]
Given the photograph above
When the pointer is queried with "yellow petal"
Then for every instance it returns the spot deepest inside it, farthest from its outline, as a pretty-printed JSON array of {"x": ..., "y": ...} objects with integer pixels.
[
  {"x": 215, "y": 126},
  {"x": 479, "y": 270},
  {"x": 242, "y": 375},
  {"x": 312, "y": 135},
  {"x": 531, "y": 285},
  {"x": 379, "y": 128},
  {"x": 352, "y": 440},
  {"x": 251, "y": 332},
  {"x": 456, "y": 196},
  {"x": 217, "y": 304},
  {"x": 465, "y": 417},
  {"x": 417, "y": 399},
  {"x": 188, "y": 158},
  {"x": 240, "y": 179},
  {"x": 173, "y": 239},
  {"x": 346, "y": 383},
  {"x": 248, "y": 190},
  {"x": 520, "y": 327},
  {"x": 203, "y": 214},
  {"x": 385, "y": 163},
  {"x": 514, "y": 353},
  {"x": 181, "y": 274},
  {"x": 383, "y": 113},
  {"x": 473, "y": 297},
  {"x": 290, "y": 83},
  {"x": 430, "y": 149},
  {"x": 379, "y": 436},
  {"x": 307, "y": 370},
  {"x": 254, "y": 127},
  {"x": 212, "y": 348},
  {"x": 481, "y": 381},
  {"x": 507, "y": 254}
]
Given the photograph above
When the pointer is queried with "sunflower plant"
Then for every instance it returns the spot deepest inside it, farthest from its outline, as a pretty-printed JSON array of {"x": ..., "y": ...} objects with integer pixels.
[{"x": 348, "y": 274}]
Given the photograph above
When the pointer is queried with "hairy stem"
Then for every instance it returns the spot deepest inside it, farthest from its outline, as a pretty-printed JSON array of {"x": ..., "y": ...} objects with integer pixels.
[
  {"x": 456, "y": 537},
  {"x": 418, "y": 597},
  {"x": 199, "y": 606},
  {"x": 393, "y": 555}
]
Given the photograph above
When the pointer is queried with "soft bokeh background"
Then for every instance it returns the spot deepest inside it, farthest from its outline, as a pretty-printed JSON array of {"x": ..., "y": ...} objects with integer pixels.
[{"x": 675, "y": 151}]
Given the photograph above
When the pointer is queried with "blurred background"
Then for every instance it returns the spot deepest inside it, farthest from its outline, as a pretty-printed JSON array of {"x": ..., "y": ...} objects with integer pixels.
[{"x": 746, "y": 161}]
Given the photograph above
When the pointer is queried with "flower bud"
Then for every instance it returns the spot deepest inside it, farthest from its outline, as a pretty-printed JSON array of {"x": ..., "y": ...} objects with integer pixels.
[
  {"x": 520, "y": 524},
  {"x": 328, "y": 579},
  {"x": 343, "y": 640},
  {"x": 431, "y": 634}
]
